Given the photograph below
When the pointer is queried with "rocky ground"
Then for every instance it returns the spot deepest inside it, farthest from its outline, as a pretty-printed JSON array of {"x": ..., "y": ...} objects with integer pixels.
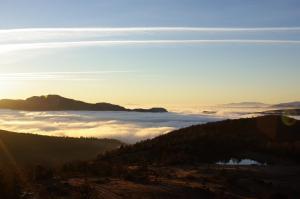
[{"x": 206, "y": 181}]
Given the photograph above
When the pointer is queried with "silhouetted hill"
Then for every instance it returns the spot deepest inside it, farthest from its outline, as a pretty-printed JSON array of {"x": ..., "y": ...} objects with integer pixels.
[
  {"x": 152, "y": 110},
  {"x": 58, "y": 103},
  {"x": 255, "y": 138},
  {"x": 28, "y": 149}
]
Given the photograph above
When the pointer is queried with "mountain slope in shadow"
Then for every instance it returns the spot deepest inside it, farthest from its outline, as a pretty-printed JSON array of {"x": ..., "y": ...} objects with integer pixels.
[
  {"x": 182, "y": 164},
  {"x": 262, "y": 138},
  {"x": 29, "y": 149}
]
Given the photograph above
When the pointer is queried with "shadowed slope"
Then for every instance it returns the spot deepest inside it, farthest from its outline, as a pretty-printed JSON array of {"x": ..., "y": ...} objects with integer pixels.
[
  {"x": 29, "y": 149},
  {"x": 256, "y": 138}
]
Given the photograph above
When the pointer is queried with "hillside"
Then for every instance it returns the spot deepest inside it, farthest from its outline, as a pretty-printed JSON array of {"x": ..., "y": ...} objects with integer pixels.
[
  {"x": 182, "y": 164},
  {"x": 58, "y": 103},
  {"x": 262, "y": 138},
  {"x": 30, "y": 150}
]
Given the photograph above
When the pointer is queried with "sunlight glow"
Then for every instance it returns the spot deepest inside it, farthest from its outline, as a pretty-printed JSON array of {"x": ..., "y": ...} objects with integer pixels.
[{"x": 5, "y": 87}]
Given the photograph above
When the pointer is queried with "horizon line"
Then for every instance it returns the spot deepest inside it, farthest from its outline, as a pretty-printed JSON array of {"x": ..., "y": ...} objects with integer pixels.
[{"x": 217, "y": 104}]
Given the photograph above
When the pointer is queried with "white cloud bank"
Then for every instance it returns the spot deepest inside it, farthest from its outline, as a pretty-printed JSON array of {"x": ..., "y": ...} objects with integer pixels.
[
  {"x": 125, "y": 126},
  {"x": 128, "y": 127}
]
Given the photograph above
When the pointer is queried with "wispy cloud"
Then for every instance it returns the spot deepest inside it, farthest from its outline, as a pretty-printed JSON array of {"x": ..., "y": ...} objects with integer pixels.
[
  {"x": 29, "y": 34},
  {"x": 75, "y": 76},
  {"x": 150, "y": 29},
  {"x": 47, "y": 38},
  {"x": 48, "y": 45}
]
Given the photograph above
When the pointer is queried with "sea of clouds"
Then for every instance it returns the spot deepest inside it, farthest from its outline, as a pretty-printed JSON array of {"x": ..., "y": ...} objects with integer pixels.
[{"x": 128, "y": 127}]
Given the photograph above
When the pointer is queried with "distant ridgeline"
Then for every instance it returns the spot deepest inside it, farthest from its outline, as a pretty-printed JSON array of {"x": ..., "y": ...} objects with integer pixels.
[{"x": 58, "y": 103}]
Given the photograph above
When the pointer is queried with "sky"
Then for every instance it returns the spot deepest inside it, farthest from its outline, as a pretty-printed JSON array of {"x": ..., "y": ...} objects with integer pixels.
[{"x": 151, "y": 53}]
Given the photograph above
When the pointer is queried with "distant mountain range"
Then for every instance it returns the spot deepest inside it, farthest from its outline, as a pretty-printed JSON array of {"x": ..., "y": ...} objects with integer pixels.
[
  {"x": 287, "y": 105},
  {"x": 246, "y": 105},
  {"x": 262, "y": 105},
  {"x": 59, "y": 103},
  {"x": 283, "y": 111}
]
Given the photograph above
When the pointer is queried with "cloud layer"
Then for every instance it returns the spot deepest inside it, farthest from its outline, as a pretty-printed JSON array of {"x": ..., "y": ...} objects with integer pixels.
[{"x": 126, "y": 126}]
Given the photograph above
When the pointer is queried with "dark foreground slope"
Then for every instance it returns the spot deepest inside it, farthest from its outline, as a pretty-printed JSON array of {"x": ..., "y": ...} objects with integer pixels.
[
  {"x": 28, "y": 149},
  {"x": 58, "y": 103},
  {"x": 266, "y": 138},
  {"x": 181, "y": 165}
]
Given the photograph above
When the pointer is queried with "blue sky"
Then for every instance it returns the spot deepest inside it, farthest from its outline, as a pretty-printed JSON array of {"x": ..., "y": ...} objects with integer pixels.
[
  {"x": 151, "y": 52},
  {"x": 62, "y": 13}
]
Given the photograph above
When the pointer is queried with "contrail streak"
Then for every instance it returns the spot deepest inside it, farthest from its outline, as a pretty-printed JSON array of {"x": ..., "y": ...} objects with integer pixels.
[
  {"x": 153, "y": 29},
  {"x": 59, "y": 75},
  {"x": 31, "y": 46}
]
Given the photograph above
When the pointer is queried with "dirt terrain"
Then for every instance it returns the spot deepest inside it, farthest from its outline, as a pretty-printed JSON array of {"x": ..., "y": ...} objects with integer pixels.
[{"x": 205, "y": 181}]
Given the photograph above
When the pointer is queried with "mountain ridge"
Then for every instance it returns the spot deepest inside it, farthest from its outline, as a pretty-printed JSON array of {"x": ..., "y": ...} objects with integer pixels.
[{"x": 59, "y": 103}]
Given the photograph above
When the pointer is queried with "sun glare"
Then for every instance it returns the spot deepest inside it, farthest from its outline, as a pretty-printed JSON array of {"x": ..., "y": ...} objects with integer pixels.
[{"x": 5, "y": 88}]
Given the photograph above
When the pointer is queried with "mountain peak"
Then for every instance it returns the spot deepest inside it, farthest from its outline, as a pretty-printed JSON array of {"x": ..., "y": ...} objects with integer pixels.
[{"x": 51, "y": 96}]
